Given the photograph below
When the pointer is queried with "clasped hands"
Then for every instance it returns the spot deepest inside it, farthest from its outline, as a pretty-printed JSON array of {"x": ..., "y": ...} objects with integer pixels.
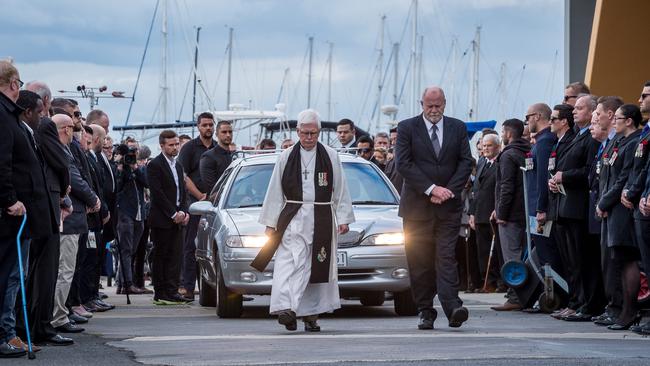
[
  {"x": 440, "y": 195},
  {"x": 554, "y": 181},
  {"x": 181, "y": 218}
]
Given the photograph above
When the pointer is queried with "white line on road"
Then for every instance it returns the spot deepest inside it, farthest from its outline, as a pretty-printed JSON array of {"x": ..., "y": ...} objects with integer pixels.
[{"x": 357, "y": 336}]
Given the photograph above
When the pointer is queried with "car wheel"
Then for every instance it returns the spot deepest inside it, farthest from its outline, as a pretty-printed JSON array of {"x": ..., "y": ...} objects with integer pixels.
[
  {"x": 229, "y": 303},
  {"x": 207, "y": 293},
  {"x": 404, "y": 304},
  {"x": 372, "y": 298}
]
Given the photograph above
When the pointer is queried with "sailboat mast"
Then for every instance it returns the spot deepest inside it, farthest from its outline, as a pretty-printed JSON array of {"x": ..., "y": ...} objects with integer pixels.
[
  {"x": 230, "y": 31},
  {"x": 196, "y": 64},
  {"x": 396, "y": 76},
  {"x": 414, "y": 47},
  {"x": 163, "y": 77},
  {"x": 309, "y": 75},
  {"x": 473, "y": 96},
  {"x": 380, "y": 68},
  {"x": 329, "y": 82}
]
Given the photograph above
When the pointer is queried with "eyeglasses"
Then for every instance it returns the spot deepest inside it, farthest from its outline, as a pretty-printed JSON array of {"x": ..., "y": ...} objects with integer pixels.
[
  {"x": 527, "y": 117},
  {"x": 364, "y": 150},
  {"x": 20, "y": 83},
  {"x": 308, "y": 134},
  {"x": 617, "y": 118},
  {"x": 77, "y": 114},
  {"x": 567, "y": 97}
]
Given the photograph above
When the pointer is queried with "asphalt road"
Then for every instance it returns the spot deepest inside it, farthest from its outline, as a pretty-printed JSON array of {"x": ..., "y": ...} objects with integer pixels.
[{"x": 354, "y": 335}]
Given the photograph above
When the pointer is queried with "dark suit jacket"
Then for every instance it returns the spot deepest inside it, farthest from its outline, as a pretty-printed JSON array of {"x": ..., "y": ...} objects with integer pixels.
[
  {"x": 482, "y": 196},
  {"x": 594, "y": 222},
  {"x": 419, "y": 166},
  {"x": 95, "y": 219},
  {"x": 212, "y": 165},
  {"x": 559, "y": 149},
  {"x": 574, "y": 163},
  {"x": 22, "y": 177},
  {"x": 82, "y": 196},
  {"x": 130, "y": 191},
  {"x": 58, "y": 175},
  {"x": 109, "y": 175},
  {"x": 537, "y": 178},
  {"x": 509, "y": 188},
  {"x": 636, "y": 180},
  {"x": 620, "y": 222},
  {"x": 163, "y": 192},
  {"x": 393, "y": 175}
]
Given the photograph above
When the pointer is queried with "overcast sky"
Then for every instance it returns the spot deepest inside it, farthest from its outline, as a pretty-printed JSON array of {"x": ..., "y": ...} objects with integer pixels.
[{"x": 68, "y": 43}]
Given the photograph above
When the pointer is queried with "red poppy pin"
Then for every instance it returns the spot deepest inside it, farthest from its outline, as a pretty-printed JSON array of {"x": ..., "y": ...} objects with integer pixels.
[
  {"x": 644, "y": 142},
  {"x": 615, "y": 150},
  {"x": 529, "y": 154},
  {"x": 553, "y": 154}
]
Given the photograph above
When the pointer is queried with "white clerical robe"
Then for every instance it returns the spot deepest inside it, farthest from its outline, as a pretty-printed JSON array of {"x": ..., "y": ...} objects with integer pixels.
[{"x": 292, "y": 267}]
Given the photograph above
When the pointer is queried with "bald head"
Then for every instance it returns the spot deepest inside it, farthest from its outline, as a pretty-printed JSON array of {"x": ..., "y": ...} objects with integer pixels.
[
  {"x": 43, "y": 91},
  {"x": 98, "y": 138},
  {"x": 64, "y": 125},
  {"x": 434, "y": 91},
  {"x": 433, "y": 103}
]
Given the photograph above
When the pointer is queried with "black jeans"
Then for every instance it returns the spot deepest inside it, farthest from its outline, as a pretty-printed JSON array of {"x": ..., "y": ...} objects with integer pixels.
[
  {"x": 189, "y": 254},
  {"x": 167, "y": 245}
]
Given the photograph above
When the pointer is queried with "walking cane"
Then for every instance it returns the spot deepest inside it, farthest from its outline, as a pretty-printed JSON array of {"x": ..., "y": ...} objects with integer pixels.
[
  {"x": 30, "y": 352},
  {"x": 487, "y": 271},
  {"x": 122, "y": 278}
]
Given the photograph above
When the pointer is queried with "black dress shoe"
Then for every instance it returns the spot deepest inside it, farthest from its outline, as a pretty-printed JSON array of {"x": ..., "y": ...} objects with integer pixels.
[
  {"x": 179, "y": 298},
  {"x": 57, "y": 340},
  {"x": 77, "y": 319},
  {"x": 643, "y": 329},
  {"x": 607, "y": 321},
  {"x": 427, "y": 318},
  {"x": 288, "y": 319},
  {"x": 312, "y": 326},
  {"x": 9, "y": 351},
  {"x": 458, "y": 317},
  {"x": 103, "y": 303},
  {"x": 69, "y": 328},
  {"x": 578, "y": 317}
]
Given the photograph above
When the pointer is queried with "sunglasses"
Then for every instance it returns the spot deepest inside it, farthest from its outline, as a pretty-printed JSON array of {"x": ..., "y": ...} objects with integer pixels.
[
  {"x": 77, "y": 114},
  {"x": 553, "y": 119},
  {"x": 364, "y": 150},
  {"x": 567, "y": 97}
]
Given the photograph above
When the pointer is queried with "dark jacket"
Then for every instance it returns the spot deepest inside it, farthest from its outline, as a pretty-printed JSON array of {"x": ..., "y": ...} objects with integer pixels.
[
  {"x": 509, "y": 188},
  {"x": 109, "y": 175},
  {"x": 130, "y": 191},
  {"x": 558, "y": 150},
  {"x": 574, "y": 163},
  {"x": 212, "y": 165},
  {"x": 537, "y": 178},
  {"x": 636, "y": 180},
  {"x": 190, "y": 159},
  {"x": 419, "y": 166},
  {"x": 22, "y": 177},
  {"x": 393, "y": 175},
  {"x": 95, "y": 219},
  {"x": 482, "y": 195},
  {"x": 163, "y": 192},
  {"x": 82, "y": 196},
  {"x": 56, "y": 169},
  {"x": 620, "y": 223},
  {"x": 594, "y": 222}
]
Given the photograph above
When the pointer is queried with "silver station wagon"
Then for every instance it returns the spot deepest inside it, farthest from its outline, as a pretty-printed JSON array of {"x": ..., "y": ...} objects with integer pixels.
[{"x": 371, "y": 258}]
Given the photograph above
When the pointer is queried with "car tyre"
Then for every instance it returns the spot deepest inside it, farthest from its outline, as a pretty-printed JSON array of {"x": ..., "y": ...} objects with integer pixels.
[
  {"x": 372, "y": 298},
  {"x": 207, "y": 293},
  {"x": 229, "y": 303},
  {"x": 404, "y": 304}
]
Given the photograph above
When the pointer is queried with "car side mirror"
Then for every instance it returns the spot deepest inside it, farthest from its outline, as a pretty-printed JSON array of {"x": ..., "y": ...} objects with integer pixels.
[{"x": 202, "y": 208}]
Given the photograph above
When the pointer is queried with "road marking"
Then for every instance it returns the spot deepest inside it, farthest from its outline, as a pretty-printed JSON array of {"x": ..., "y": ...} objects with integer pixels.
[{"x": 356, "y": 336}]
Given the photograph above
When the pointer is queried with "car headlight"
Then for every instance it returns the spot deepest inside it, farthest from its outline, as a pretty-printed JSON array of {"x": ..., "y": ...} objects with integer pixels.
[
  {"x": 384, "y": 239},
  {"x": 246, "y": 241}
]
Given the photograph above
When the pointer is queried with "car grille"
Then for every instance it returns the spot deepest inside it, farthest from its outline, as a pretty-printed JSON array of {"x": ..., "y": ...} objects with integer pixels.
[{"x": 355, "y": 273}]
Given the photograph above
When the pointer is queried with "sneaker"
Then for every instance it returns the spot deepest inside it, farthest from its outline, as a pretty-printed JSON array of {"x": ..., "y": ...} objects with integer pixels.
[{"x": 81, "y": 311}]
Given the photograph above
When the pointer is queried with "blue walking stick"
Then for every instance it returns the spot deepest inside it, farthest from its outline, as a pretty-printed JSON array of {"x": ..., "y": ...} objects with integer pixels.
[{"x": 30, "y": 353}]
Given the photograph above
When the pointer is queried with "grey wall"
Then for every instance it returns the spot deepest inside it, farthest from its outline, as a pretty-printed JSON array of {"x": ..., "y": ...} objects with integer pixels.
[{"x": 578, "y": 19}]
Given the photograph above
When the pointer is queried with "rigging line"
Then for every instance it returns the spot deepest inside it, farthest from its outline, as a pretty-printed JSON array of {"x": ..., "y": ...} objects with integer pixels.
[
  {"x": 322, "y": 81},
  {"x": 365, "y": 99},
  {"x": 548, "y": 88},
  {"x": 302, "y": 68},
  {"x": 205, "y": 92},
  {"x": 444, "y": 68},
  {"x": 144, "y": 54},
  {"x": 383, "y": 82},
  {"x": 219, "y": 73},
  {"x": 406, "y": 23},
  {"x": 239, "y": 57},
  {"x": 369, "y": 81},
  {"x": 406, "y": 73},
  {"x": 187, "y": 88},
  {"x": 521, "y": 79}
]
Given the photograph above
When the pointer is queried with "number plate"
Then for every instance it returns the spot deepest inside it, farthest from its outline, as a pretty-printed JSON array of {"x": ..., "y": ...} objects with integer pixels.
[{"x": 341, "y": 259}]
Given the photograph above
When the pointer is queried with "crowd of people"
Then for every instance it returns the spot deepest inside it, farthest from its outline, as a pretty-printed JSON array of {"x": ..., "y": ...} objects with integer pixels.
[{"x": 586, "y": 167}]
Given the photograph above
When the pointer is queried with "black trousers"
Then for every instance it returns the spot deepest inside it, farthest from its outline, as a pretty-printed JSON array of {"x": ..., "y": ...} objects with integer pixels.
[
  {"x": 592, "y": 276},
  {"x": 167, "y": 244},
  {"x": 611, "y": 274},
  {"x": 40, "y": 285},
  {"x": 484, "y": 234},
  {"x": 471, "y": 262},
  {"x": 189, "y": 254},
  {"x": 140, "y": 256},
  {"x": 8, "y": 259},
  {"x": 88, "y": 275},
  {"x": 74, "y": 297},
  {"x": 570, "y": 236},
  {"x": 431, "y": 257},
  {"x": 101, "y": 261},
  {"x": 642, "y": 231}
]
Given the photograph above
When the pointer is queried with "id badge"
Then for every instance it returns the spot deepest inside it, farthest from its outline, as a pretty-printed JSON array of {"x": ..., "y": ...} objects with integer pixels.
[
  {"x": 639, "y": 151},
  {"x": 529, "y": 164},
  {"x": 92, "y": 242},
  {"x": 606, "y": 161},
  {"x": 598, "y": 167},
  {"x": 551, "y": 163}
]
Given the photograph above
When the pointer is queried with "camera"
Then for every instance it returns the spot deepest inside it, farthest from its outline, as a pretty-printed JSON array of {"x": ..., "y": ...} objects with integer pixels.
[{"x": 129, "y": 154}]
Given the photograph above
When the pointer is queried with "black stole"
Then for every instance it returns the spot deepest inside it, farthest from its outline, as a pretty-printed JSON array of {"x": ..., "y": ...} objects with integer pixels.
[{"x": 321, "y": 255}]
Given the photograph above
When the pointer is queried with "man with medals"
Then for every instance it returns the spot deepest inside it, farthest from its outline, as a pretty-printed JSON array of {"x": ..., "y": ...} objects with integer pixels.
[{"x": 306, "y": 205}]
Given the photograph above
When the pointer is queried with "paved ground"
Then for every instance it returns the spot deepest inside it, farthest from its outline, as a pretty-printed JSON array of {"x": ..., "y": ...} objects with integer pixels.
[{"x": 354, "y": 335}]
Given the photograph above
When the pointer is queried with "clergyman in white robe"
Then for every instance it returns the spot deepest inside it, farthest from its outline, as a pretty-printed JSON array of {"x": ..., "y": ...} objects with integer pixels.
[{"x": 291, "y": 289}]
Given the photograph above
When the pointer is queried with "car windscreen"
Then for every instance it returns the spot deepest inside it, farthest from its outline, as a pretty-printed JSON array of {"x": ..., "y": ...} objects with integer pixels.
[{"x": 365, "y": 184}]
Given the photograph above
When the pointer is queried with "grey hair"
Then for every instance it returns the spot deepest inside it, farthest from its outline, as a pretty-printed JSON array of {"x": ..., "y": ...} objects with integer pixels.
[
  {"x": 492, "y": 137},
  {"x": 592, "y": 101},
  {"x": 39, "y": 88},
  {"x": 381, "y": 134},
  {"x": 308, "y": 116}
]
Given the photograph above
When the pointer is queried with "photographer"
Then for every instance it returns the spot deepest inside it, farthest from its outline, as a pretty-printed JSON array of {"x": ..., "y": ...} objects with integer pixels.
[{"x": 131, "y": 182}]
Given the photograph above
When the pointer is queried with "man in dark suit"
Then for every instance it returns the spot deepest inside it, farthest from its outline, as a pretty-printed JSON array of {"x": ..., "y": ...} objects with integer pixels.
[
  {"x": 570, "y": 188},
  {"x": 433, "y": 157},
  {"x": 167, "y": 215},
  {"x": 346, "y": 134},
  {"x": 23, "y": 191},
  {"x": 482, "y": 205}
]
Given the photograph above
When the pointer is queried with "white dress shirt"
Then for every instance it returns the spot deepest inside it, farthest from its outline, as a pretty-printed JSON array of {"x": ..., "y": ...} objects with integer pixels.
[
  {"x": 429, "y": 125},
  {"x": 172, "y": 166}
]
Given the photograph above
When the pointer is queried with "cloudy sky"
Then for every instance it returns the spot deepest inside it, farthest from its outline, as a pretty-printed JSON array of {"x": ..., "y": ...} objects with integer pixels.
[{"x": 71, "y": 42}]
